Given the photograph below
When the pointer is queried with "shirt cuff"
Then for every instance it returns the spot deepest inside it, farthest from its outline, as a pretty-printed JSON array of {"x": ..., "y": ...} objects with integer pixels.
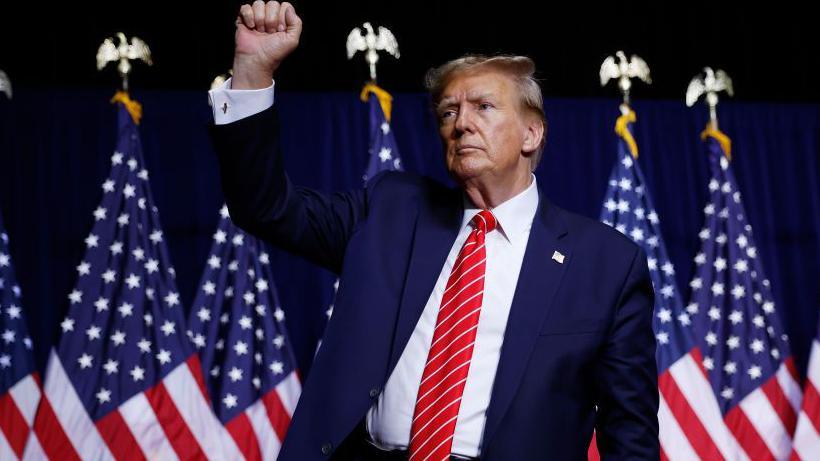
[{"x": 231, "y": 105}]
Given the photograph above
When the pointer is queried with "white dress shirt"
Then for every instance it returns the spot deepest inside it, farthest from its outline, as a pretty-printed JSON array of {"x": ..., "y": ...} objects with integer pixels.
[{"x": 389, "y": 419}]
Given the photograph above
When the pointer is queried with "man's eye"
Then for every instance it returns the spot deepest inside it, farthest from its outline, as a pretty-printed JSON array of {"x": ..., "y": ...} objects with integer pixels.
[
  {"x": 485, "y": 106},
  {"x": 447, "y": 114}
]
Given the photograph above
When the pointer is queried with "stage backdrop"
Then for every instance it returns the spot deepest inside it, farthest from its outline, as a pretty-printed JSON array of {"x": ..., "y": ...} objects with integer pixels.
[{"x": 55, "y": 148}]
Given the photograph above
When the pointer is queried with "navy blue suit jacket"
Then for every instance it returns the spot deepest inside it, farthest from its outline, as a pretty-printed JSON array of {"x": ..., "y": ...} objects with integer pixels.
[{"x": 579, "y": 334}]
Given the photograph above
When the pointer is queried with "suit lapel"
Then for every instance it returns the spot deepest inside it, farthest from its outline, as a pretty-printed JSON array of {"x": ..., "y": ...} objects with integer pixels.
[
  {"x": 436, "y": 229},
  {"x": 538, "y": 281}
]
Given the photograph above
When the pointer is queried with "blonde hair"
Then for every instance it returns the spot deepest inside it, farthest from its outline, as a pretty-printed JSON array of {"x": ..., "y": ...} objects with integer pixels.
[{"x": 520, "y": 68}]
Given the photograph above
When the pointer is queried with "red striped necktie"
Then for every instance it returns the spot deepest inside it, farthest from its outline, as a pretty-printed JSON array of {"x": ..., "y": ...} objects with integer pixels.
[{"x": 445, "y": 373}]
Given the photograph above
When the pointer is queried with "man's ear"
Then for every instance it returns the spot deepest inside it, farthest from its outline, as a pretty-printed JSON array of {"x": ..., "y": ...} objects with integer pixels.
[{"x": 534, "y": 131}]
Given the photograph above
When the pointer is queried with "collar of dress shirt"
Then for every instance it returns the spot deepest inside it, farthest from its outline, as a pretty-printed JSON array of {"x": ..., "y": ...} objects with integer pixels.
[{"x": 514, "y": 216}]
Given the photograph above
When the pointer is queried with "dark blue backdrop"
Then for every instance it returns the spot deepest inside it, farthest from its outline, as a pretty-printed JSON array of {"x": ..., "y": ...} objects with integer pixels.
[{"x": 55, "y": 147}]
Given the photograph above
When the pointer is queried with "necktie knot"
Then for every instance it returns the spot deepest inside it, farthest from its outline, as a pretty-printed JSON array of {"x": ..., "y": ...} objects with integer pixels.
[{"x": 485, "y": 221}]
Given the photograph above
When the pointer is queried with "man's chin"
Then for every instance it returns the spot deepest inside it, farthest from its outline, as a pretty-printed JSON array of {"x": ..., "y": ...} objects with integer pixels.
[{"x": 464, "y": 175}]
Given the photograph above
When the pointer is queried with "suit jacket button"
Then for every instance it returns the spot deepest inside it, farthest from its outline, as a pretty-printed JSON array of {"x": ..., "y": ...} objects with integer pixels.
[
  {"x": 374, "y": 393},
  {"x": 326, "y": 448}
]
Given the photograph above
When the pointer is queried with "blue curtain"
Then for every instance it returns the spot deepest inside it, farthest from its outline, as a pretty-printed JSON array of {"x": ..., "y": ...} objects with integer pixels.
[{"x": 55, "y": 147}]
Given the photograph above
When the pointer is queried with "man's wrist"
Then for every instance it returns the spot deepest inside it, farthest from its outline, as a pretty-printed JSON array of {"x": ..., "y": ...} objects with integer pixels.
[{"x": 250, "y": 75}]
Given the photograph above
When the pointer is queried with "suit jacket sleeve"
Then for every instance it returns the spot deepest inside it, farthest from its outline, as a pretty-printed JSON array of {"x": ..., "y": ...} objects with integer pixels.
[
  {"x": 263, "y": 201},
  {"x": 627, "y": 381}
]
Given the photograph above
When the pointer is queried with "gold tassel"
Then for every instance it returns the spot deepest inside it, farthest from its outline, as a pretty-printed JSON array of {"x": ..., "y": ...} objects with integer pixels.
[
  {"x": 133, "y": 107},
  {"x": 720, "y": 137},
  {"x": 622, "y": 130},
  {"x": 385, "y": 100}
]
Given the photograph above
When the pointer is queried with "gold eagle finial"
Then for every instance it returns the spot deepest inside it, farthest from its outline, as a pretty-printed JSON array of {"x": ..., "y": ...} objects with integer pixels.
[
  {"x": 710, "y": 83},
  {"x": 624, "y": 70},
  {"x": 123, "y": 53},
  {"x": 371, "y": 43}
]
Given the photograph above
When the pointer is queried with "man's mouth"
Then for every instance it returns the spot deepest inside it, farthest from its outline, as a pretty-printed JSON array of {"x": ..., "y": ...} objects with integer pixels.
[{"x": 466, "y": 148}]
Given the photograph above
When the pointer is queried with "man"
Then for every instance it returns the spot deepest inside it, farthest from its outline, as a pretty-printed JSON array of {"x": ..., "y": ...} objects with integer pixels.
[{"x": 482, "y": 322}]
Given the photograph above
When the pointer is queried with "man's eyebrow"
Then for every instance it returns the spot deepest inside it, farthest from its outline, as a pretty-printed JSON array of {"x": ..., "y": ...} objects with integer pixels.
[
  {"x": 444, "y": 102},
  {"x": 449, "y": 100},
  {"x": 479, "y": 96}
]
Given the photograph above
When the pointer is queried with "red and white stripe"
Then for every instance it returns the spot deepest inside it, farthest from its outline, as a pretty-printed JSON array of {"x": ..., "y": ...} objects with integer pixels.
[
  {"x": 17, "y": 409},
  {"x": 765, "y": 419},
  {"x": 260, "y": 430},
  {"x": 692, "y": 427},
  {"x": 760, "y": 427},
  {"x": 171, "y": 420},
  {"x": 690, "y": 419},
  {"x": 807, "y": 435}
]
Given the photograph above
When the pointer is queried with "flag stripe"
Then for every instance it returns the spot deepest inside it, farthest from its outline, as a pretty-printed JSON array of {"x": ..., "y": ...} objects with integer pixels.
[
  {"x": 245, "y": 437},
  {"x": 811, "y": 405},
  {"x": 289, "y": 390},
  {"x": 70, "y": 415},
  {"x": 787, "y": 377},
  {"x": 807, "y": 437},
  {"x": 196, "y": 371},
  {"x": 200, "y": 419},
  {"x": 269, "y": 443},
  {"x": 33, "y": 449},
  {"x": 184, "y": 443},
  {"x": 814, "y": 365},
  {"x": 747, "y": 435},
  {"x": 699, "y": 438},
  {"x": 767, "y": 423},
  {"x": 277, "y": 414},
  {"x": 780, "y": 404},
  {"x": 692, "y": 382},
  {"x": 51, "y": 438},
  {"x": 26, "y": 394},
  {"x": 119, "y": 438},
  {"x": 142, "y": 421},
  {"x": 12, "y": 424},
  {"x": 672, "y": 437},
  {"x": 6, "y": 452}
]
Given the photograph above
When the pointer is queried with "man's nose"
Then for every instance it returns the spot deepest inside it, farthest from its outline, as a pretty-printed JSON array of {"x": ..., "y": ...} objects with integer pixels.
[{"x": 464, "y": 121}]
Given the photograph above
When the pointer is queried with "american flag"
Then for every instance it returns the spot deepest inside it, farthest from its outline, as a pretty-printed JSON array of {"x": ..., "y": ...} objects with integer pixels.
[
  {"x": 745, "y": 351},
  {"x": 383, "y": 152},
  {"x": 690, "y": 423},
  {"x": 124, "y": 382},
  {"x": 19, "y": 383},
  {"x": 238, "y": 327},
  {"x": 807, "y": 435}
]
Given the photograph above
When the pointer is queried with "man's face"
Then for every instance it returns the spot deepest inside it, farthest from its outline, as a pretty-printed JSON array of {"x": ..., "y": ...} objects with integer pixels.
[{"x": 482, "y": 127}]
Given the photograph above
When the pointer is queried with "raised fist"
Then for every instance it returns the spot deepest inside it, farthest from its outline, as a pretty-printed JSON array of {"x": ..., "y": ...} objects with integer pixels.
[{"x": 266, "y": 33}]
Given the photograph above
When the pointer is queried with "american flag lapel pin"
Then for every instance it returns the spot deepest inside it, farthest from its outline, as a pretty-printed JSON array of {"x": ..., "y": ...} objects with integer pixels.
[{"x": 558, "y": 257}]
